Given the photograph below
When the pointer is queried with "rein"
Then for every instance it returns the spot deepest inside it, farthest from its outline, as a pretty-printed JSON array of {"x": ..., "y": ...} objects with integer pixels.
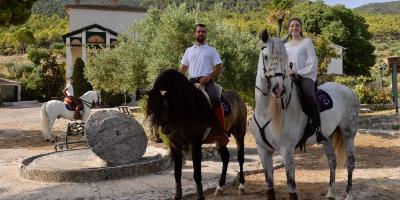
[
  {"x": 86, "y": 103},
  {"x": 262, "y": 129}
]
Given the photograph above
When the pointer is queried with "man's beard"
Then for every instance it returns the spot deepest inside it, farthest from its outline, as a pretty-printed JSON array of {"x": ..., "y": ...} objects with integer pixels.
[{"x": 200, "y": 39}]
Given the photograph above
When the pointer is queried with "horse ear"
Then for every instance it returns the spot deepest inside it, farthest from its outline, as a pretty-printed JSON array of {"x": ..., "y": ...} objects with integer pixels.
[
  {"x": 264, "y": 35},
  {"x": 163, "y": 92}
]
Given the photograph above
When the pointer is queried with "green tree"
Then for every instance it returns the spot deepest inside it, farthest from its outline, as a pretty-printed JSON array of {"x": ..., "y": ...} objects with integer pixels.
[
  {"x": 343, "y": 27},
  {"x": 51, "y": 78},
  {"x": 24, "y": 37},
  {"x": 14, "y": 12},
  {"x": 158, "y": 42},
  {"x": 36, "y": 55},
  {"x": 81, "y": 85}
]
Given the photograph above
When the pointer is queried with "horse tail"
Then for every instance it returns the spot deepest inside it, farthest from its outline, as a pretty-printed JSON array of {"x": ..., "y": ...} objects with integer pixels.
[
  {"x": 339, "y": 147},
  {"x": 45, "y": 121}
]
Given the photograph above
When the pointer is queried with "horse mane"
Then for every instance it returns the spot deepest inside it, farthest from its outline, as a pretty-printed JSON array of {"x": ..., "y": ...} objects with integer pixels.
[
  {"x": 278, "y": 56},
  {"x": 183, "y": 104}
]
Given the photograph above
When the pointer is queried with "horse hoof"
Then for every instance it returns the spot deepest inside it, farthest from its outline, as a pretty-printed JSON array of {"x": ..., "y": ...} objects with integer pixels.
[
  {"x": 293, "y": 196},
  {"x": 331, "y": 194},
  {"x": 349, "y": 197},
  {"x": 271, "y": 194},
  {"x": 240, "y": 193},
  {"x": 241, "y": 187},
  {"x": 218, "y": 191},
  {"x": 178, "y": 198}
]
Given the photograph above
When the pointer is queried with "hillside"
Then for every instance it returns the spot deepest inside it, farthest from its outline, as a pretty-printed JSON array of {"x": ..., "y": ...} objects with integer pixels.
[
  {"x": 50, "y": 7},
  {"x": 392, "y": 7}
]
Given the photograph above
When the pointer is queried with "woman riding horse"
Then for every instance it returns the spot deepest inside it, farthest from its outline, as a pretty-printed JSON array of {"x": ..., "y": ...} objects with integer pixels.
[{"x": 279, "y": 120}]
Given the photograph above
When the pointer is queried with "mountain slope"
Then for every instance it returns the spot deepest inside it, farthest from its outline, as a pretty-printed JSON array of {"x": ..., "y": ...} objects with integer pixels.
[{"x": 392, "y": 7}]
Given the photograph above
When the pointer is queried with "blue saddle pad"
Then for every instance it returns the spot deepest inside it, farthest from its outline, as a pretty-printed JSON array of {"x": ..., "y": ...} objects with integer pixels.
[
  {"x": 324, "y": 100},
  {"x": 69, "y": 107},
  {"x": 226, "y": 105}
]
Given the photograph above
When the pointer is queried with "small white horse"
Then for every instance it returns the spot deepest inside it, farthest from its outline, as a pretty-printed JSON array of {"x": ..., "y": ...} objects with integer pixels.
[
  {"x": 54, "y": 109},
  {"x": 278, "y": 127}
]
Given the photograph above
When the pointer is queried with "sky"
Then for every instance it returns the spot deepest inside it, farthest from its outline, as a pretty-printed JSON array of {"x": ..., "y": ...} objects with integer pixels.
[{"x": 353, "y": 3}]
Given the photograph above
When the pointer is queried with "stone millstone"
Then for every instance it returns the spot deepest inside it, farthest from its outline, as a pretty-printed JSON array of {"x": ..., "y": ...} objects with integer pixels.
[{"x": 115, "y": 137}]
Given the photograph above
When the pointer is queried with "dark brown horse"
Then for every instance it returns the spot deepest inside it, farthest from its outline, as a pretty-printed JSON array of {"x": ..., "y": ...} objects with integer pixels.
[{"x": 185, "y": 116}]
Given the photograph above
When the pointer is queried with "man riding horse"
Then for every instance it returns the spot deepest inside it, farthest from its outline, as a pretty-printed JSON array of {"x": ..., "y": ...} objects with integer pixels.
[{"x": 205, "y": 65}]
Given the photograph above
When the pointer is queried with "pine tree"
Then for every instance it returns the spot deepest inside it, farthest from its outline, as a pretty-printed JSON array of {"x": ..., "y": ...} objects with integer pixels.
[{"x": 81, "y": 85}]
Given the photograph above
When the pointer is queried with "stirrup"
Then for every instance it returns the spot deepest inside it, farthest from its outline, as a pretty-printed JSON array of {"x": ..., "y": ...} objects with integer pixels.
[{"x": 321, "y": 139}]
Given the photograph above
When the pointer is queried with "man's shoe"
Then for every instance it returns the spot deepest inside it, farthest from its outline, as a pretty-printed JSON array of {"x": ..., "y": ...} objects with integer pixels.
[{"x": 321, "y": 139}]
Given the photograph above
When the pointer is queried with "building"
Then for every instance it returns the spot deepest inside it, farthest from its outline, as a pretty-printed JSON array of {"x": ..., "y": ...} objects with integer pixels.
[
  {"x": 336, "y": 64},
  {"x": 96, "y": 25},
  {"x": 10, "y": 91}
]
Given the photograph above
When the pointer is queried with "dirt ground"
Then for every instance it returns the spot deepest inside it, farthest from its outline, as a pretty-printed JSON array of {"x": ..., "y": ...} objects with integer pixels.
[{"x": 377, "y": 173}]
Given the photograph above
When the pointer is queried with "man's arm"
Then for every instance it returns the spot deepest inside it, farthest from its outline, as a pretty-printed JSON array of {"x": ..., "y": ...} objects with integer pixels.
[
  {"x": 183, "y": 69},
  {"x": 214, "y": 74}
]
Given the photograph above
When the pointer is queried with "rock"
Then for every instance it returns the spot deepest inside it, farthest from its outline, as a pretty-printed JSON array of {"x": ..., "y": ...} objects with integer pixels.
[{"x": 115, "y": 137}]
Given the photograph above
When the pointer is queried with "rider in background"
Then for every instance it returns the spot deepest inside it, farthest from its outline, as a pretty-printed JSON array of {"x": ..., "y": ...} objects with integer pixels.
[
  {"x": 205, "y": 65},
  {"x": 301, "y": 54},
  {"x": 70, "y": 99}
]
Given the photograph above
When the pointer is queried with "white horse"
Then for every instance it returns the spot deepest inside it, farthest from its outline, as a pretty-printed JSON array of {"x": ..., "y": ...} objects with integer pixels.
[
  {"x": 54, "y": 109},
  {"x": 279, "y": 120}
]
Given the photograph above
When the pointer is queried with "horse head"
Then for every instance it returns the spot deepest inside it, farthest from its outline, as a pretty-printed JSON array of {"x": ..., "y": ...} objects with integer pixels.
[
  {"x": 273, "y": 64},
  {"x": 174, "y": 103},
  {"x": 97, "y": 98}
]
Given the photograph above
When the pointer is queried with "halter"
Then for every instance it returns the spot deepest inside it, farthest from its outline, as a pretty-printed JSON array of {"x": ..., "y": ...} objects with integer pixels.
[{"x": 268, "y": 77}]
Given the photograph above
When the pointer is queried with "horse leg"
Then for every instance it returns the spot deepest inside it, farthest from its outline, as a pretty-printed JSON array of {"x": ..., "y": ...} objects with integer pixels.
[
  {"x": 328, "y": 148},
  {"x": 196, "y": 156},
  {"x": 177, "y": 157},
  {"x": 240, "y": 155},
  {"x": 266, "y": 161},
  {"x": 290, "y": 166},
  {"x": 51, "y": 123},
  {"x": 349, "y": 144},
  {"x": 224, "y": 153}
]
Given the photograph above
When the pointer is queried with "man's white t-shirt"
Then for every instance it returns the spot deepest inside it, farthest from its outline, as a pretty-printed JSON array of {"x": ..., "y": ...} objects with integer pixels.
[
  {"x": 70, "y": 90},
  {"x": 303, "y": 57},
  {"x": 201, "y": 59}
]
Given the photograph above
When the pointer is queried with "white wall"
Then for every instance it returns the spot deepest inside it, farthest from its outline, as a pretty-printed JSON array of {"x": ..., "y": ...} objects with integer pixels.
[
  {"x": 336, "y": 65},
  {"x": 117, "y": 21}
]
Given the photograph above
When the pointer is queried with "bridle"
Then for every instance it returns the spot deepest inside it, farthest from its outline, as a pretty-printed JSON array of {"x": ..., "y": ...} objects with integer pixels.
[
  {"x": 89, "y": 104},
  {"x": 269, "y": 76}
]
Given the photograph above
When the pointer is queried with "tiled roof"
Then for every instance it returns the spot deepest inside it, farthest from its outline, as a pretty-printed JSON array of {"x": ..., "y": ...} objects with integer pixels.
[{"x": 4, "y": 81}]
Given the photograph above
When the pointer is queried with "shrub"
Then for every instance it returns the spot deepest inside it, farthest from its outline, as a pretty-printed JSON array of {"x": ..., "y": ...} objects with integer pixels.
[
  {"x": 382, "y": 96},
  {"x": 364, "y": 93},
  {"x": 81, "y": 85},
  {"x": 112, "y": 100}
]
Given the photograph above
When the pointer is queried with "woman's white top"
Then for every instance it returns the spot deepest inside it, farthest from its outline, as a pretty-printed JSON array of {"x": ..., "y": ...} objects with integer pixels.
[
  {"x": 303, "y": 57},
  {"x": 70, "y": 90}
]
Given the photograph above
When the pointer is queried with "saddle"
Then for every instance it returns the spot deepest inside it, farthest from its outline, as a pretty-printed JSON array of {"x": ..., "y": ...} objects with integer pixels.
[
  {"x": 212, "y": 134},
  {"x": 225, "y": 104},
  {"x": 324, "y": 102},
  {"x": 75, "y": 105}
]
